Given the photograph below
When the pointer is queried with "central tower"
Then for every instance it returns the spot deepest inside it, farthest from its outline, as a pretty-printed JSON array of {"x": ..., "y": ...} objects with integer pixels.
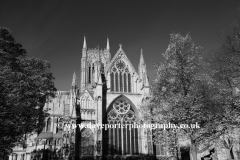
[{"x": 93, "y": 62}]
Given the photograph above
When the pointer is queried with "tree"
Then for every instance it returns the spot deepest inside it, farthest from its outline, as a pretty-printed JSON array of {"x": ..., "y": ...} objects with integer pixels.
[
  {"x": 225, "y": 61},
  {"x": 184, "y": 92},
  {"x": 26, "y": 84}
]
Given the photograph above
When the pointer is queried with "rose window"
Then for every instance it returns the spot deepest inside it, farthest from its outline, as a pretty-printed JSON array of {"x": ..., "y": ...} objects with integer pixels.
[
  {"x": 121, "y": 110},
  {"x": 112, "y": 115},
  {"x": 121, "y": 107},
  {"x": 120, "y": 64}
]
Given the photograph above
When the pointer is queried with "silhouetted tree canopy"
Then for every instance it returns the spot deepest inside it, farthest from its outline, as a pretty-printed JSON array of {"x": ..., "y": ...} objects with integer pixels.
[{"x": 26, "y": 84}]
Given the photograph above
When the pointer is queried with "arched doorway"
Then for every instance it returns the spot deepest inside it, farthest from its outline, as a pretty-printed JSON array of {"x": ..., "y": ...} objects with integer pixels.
[
  {"x": 122, "y": 136},
  {"x": 87, "y": 142}
]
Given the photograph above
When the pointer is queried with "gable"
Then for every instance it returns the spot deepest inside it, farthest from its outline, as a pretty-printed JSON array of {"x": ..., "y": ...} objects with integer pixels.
[
  {"x": 86, "y": 94},
  {"x": 86, "y": 100},
  {"x": 120, "y": 56}
]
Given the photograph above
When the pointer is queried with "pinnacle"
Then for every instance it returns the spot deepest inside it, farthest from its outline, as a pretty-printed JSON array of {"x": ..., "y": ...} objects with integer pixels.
[{"x": 84, "y": 43}]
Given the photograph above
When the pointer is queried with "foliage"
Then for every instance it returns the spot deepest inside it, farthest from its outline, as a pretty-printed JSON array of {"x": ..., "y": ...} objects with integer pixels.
[
  {"x": 188, "y": 89},
  {"x": 25, "y": 84},
  {"x": 226, "y": 63},
  {"x": 184, "y": 92}
]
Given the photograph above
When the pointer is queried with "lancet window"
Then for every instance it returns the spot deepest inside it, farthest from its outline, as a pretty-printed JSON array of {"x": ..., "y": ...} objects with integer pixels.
[
  {"x": 91, "y": 70},
  {"x": 87, "y": 142},
  {"x": 85, "y": 102},
  {"x": 122, "y": 139},
  {"x": 120, "y": 77}
]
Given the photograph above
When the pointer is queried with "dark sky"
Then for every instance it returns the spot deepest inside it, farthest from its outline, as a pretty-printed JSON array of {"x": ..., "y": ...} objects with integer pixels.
[{"x": 53, "y": 30}]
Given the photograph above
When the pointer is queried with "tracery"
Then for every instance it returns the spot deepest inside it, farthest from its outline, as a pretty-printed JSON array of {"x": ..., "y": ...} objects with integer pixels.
[
  {"x": 87, "y": 142},
  {"x": 122, "y": 140},
  {"x": 120, "y": 77}
]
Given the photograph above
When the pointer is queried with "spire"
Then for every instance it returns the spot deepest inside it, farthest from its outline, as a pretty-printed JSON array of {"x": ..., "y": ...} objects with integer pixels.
[
  {"x": 74, "y": 81},
  {"x": 141, "y": 58},
  {"x": 108, "y": 47},
  {"x": 141, "y": 66},
  {"x": 84, "y": 43}
]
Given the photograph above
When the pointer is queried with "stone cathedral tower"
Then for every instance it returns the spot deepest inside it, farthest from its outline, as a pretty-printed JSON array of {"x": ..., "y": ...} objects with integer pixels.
[{"x": 110, "y": 92}]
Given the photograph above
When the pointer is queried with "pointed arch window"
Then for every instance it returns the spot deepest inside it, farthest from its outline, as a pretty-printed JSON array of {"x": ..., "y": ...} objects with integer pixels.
[
  {"x": 81, "y": 103},
  {"x": 121, "y": 81},
  {"x": 125, "y": 82},
  {"x": 122, "y": 140},
  {"x": 116, "y": 82},
  {"x": 120, "y": 77},
  {"x": 87, "y": 103},
  {"x": 112, "y": 81},
  {"x": 129, "y": 82},
  {"x": 89, "y": 73},
  {"x": 87, "y": 142}
]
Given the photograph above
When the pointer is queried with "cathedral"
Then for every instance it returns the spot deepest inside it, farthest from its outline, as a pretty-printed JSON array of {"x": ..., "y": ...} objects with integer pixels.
[{"x": 110, "y": 92}]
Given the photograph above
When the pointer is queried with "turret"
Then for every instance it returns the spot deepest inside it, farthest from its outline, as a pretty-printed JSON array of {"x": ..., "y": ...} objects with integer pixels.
[
  {"x": 141, "y": 65},
  {"x": 73, "y": 95},
  {"x": 83, "y": 65},
  {"x": 107, "y": 53},
  {"x": 84, "y": 50},
  {"x": 142, "y": 71},
  {"x": 74, "y": 81},
  {"x": 108, "y": 47}
]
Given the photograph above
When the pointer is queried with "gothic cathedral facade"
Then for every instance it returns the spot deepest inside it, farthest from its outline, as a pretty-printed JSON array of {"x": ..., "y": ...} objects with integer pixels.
[{"x": 110, "y": 92}]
